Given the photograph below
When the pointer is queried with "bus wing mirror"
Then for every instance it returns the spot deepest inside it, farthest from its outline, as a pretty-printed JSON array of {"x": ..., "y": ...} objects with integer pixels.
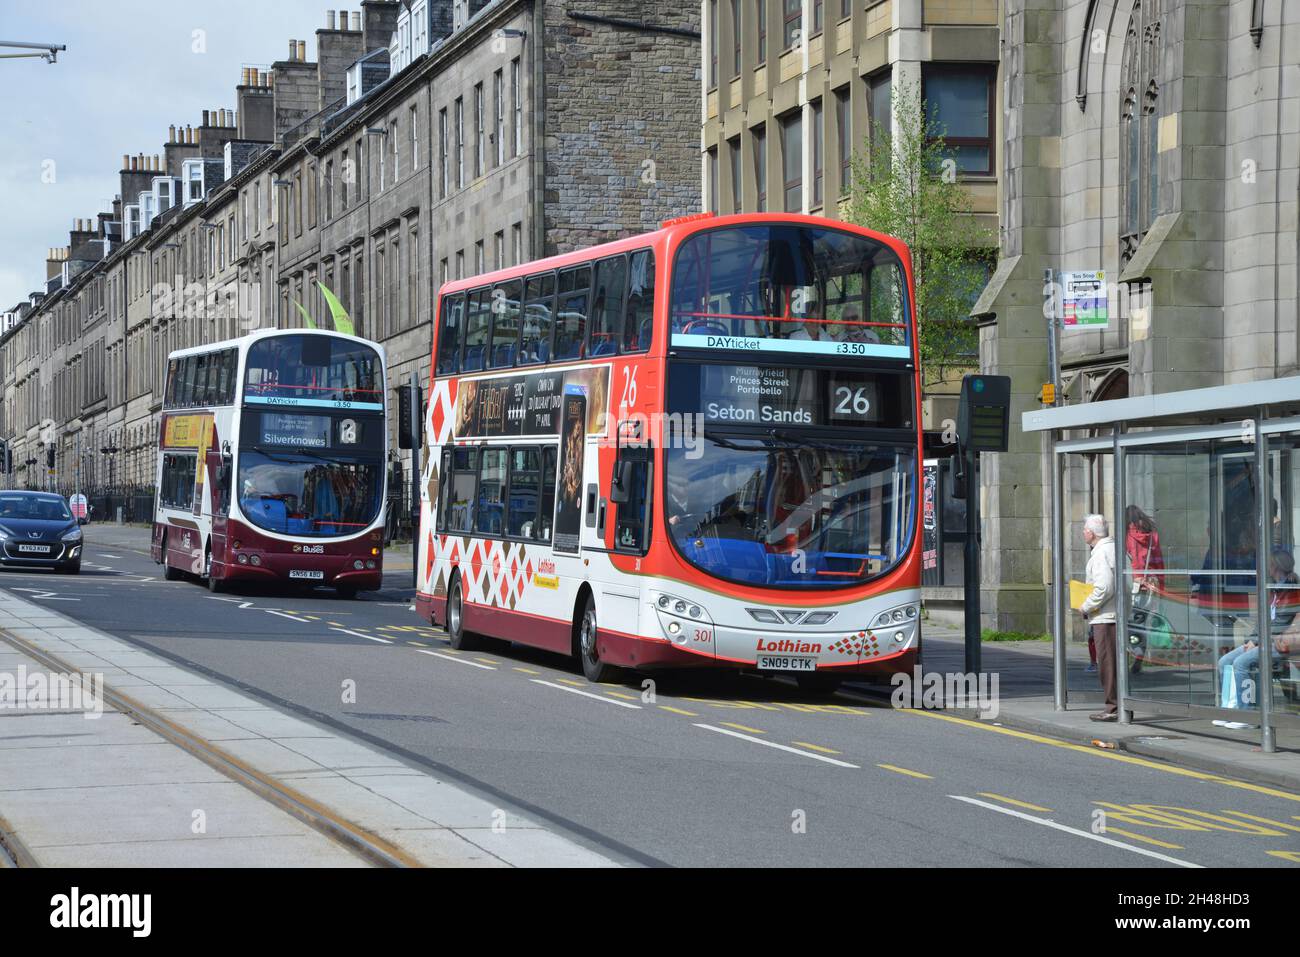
[{"x": 618, "y": 489}]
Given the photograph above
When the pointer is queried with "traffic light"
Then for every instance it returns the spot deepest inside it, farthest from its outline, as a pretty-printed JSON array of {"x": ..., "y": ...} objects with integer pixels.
[
  {"x": 409, "y": 415},
  {"x": 49, "y": 457},
  {"x": 6, "y": 463}
]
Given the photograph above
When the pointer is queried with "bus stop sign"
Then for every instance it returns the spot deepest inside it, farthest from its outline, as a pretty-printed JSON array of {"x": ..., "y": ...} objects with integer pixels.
[{"x": 982, "y": 417}]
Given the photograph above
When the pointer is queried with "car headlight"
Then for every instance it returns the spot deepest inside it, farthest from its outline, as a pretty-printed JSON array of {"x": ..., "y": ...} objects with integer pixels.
[
  {"x": 4, "y": 533},
  {"x": 72, "y": 536}
]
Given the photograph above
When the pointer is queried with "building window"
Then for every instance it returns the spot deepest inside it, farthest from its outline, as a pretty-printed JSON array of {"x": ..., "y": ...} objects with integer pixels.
[
  {"x": 499, "y": 117},
  {"x": 460, "y": 264},
  {"x": 735, "y": 38},
  {"x": 792, "y": 160},
  {"x": 460, "y": 143},
  {"x": 880, "y": 107},
  {"x": 844, "y": 132},
  {"x": 329, "y": 191},
  {"x": 480, "y": 133},
  {"x": 818, "y": 151},
  {"x": 959, "y": 107},
  {"x": 792, "y": 20},
  {"x": 1139, "y": 127},
  {"x": 516, "y": 99},
  {"x": 396, "y": 139},
  {"x": 415, "y": 137},
  {"x": 499, "y": 248},
  {"x": 711, "y": 164},
  {"x": 713, "y": 43},
  {"x": 733, "y": 155},
  {"x": 443, "y": 171},
  {"x": 760, "y": 167},
  {"x": 760, "y": 18},
  {"x": 517, "y": 243},
  {"x": 479, "y": 265}
]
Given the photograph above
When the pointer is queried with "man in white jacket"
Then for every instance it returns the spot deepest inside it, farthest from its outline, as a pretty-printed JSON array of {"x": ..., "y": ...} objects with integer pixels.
[{"x": 1099, "y": 608}]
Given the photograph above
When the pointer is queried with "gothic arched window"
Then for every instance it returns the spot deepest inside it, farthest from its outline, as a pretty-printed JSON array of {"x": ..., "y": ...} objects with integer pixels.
[{"x": 1139, "y": 127}]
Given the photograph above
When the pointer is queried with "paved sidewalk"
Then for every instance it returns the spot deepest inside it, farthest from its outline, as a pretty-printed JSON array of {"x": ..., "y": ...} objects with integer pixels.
[
  {"x": 1024, "y": 671},
  {"x": 80, "y": 789},
  {"x": 107, "y": 791}
]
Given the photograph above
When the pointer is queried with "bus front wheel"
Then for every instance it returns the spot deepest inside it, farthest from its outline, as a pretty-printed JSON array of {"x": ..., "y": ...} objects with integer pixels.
[
  {"x": 595, "y": 670},
  {"x": 215, "y": 584},
  {"x": 457, "y": 636}
]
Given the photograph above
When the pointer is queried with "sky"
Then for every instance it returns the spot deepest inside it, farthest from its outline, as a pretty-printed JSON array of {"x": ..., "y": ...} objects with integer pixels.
[{"x": 131, "y": 69}]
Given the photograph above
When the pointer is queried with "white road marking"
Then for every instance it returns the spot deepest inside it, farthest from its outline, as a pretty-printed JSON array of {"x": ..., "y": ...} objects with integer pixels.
[
  {"x": 460, "y": 661},
  {"x": 779, "y": 747},
  {"x": 106, "y": 555},
  {"x": 1074, "y": 830},
  {"x": 346, "y": 631},
  {"x": 47, "y": 595},
  {"x": 282, "y": 614},
  {"x": 242, "y": 604},
  {"x": 587, "y": 694}
]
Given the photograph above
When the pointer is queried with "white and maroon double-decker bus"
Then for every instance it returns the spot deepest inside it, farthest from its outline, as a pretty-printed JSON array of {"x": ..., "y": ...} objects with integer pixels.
[{"x": 271, "y": 464}]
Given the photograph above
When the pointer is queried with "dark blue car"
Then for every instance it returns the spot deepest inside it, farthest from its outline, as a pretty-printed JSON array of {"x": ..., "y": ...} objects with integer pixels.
[{"x": 38, "y": 530}]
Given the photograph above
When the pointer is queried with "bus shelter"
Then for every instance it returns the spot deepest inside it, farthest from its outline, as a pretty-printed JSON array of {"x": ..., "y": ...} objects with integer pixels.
[{"x": 1201, "y": 489}]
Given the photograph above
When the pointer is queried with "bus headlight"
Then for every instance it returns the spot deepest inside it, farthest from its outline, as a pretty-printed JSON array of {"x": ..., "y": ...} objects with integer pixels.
[
  {"x": 243, "y": 559},
  {"x": 256, "y": 559},
  {"x": 358, "y": 564},
  {"x": 896, "y": 616},
  {"x": 370, "y": 564},
  {"x": 680, "y": 618}
]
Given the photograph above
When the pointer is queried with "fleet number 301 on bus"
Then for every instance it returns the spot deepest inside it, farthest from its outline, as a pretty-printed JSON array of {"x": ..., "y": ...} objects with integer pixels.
[
  {"x": 271, "y": 462},
  {"x": 696, "y": 447}
]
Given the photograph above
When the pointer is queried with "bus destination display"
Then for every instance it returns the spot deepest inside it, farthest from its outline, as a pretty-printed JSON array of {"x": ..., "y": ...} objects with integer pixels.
[{"x": 773, "y": 396}]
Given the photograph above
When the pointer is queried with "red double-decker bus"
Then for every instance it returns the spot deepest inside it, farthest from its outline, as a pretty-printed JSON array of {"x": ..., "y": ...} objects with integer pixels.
[{"x": 696, "y": 447}]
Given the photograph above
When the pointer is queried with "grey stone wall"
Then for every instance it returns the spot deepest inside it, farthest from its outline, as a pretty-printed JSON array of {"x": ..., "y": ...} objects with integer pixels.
[{"x": 621, "y": 121}]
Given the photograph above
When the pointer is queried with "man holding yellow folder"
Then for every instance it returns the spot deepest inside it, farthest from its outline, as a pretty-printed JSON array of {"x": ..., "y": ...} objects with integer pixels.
[{"x": 1098, "y": 608}]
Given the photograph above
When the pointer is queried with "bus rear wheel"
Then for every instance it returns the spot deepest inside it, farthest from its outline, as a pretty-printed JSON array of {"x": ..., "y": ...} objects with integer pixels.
[
  {"x": 595, "y": 670},
  {"x": 457, "y": 636}
]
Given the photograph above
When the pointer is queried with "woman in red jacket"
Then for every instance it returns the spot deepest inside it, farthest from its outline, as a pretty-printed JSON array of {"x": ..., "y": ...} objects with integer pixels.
[{"x": 1142, "y": 545}]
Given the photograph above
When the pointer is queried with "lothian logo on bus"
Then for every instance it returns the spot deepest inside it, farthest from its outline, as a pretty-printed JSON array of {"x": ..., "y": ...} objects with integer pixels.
[{"x": 791, "y": 645}]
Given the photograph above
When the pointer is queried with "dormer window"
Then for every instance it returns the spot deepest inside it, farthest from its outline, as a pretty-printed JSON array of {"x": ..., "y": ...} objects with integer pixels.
[{"x": 193, "y": 181}]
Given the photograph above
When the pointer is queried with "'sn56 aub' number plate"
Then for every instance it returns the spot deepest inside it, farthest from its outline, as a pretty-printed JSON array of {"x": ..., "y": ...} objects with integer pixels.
[
  {"x": 786, "y": 663},
  {"x": 306, "y": 573}
]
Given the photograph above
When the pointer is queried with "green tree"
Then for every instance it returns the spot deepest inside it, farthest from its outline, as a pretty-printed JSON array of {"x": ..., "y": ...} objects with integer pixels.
[{"x": 905, "y": 185}]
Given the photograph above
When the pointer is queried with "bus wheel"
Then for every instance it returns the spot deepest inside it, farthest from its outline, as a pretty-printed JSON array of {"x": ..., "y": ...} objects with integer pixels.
[
  {"x": 457, "y": 636},
  {"x": 595, "y": 670},
  {"x": 215, "y": 584},
  {"x": 818, "y": 684},
  {"x": 169, "y": 574}
]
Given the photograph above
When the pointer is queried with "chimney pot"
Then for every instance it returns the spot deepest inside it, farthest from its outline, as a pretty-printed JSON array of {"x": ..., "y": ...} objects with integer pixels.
[
  {"x": 302, "y": 51},
  {"x": 293, "y": 49},
  {"x": 356, "y": 20},
  {"x": 126, "y": 161},
  {"x": 171, "y": 133},
  {"x": 254, "y": 78},
  {"x": 329, "y": 19},
  {"x": 205, "y": 117}
]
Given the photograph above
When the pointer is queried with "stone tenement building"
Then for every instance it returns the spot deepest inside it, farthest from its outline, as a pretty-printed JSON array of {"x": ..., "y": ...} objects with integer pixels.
[
  {"x": 429, "y": 139},
  {"x": 1157, "y": 140}
]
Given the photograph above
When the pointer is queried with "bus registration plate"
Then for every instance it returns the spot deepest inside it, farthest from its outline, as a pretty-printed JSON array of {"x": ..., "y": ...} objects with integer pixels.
[
  {"x": 312, "y": 573},
  {"x": 786, "y": 663}
]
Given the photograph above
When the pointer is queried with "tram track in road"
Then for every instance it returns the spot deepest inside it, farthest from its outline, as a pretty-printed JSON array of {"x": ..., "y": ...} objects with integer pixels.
[{"x": 370, "y": 847}]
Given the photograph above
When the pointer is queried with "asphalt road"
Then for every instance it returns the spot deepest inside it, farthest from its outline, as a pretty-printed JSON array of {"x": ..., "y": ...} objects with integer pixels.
[{"x": 711, "y": 770}]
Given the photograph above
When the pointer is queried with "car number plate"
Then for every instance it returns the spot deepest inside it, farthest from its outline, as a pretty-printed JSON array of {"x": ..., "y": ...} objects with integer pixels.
[
  {"x": 38, "y": 549},
  {"x": 786, "y": 663},
  {"x": 306, "y": 573}
]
